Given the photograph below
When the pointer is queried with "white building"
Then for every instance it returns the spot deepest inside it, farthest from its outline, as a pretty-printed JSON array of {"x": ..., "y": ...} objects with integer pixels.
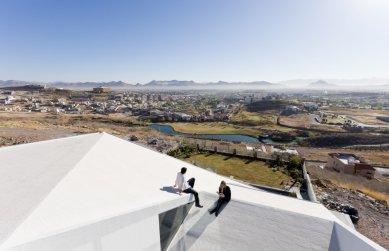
[{"x": 99, "y": 192}]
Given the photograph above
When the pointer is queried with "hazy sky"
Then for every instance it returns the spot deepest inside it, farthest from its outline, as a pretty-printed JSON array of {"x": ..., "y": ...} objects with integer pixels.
[{"x": 201, "y": 40}]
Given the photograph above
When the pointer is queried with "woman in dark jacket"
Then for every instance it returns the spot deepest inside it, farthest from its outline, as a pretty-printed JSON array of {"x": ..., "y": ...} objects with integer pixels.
[{"x": 224, "y": 197}]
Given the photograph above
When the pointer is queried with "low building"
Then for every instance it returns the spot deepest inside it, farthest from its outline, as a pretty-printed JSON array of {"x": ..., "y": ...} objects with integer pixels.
[
  {"x": 102, "y": 89},
  {"x": 292, "y": 108},
  {"x": 350, "y": 164},
  {"x": 365, "y": 170},
  {"x": 311, "y": 107}
]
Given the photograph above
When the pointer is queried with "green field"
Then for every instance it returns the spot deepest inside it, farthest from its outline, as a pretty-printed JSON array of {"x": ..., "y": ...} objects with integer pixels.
[
  {"x": 264, "y": 120},
  {"x": 213, "y": 128},
  {"x": 255, "y": 172},
  {"x": 253, "y": 119},
  {"x": 334, "y": 120}
]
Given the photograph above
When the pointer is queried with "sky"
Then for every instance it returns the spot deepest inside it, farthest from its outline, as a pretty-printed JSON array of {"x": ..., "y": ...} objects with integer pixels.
[{"x": 200, "y": 40}]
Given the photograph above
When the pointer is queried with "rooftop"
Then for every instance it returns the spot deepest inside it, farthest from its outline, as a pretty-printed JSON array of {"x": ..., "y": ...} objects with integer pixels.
[
  {"x": 65, "y": 193},
  {"x": 246, "y": 226},
  {"x": 346, "y": 158}
]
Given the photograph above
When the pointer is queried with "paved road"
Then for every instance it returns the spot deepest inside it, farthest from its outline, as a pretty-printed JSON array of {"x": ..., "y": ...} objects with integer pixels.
[
  {"x": 314, "y": 118},
  {"x": 365, "y": 125}
]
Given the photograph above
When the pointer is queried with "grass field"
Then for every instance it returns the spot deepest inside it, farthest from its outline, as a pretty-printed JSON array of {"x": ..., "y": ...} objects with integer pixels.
[
  {"x": 369, "y": 120},
  {"x": 358, "y": 112},
  {"x": 263, "y": 120},
  {"x": 253, "y": 118},
  {"x": 256, "y": 172},
  {"x": 298, "y": 120},
  {"x": 303, "y": 121},
  {"x": 334, "y": 120},
  {"x": 213, "y": 128}
]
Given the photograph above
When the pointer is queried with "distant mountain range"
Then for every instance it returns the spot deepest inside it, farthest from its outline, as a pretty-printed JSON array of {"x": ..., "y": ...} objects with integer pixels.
[
  {"x": 89, "y": 84},
  {"x": 14, "y": 83},
  {"x": 151, "y": 84},
  {"x": 220, "y": 83},
  {"x": 321, "y": 84},
  {"x": 338, "y": 82},
  {"x": 158, "y": 83}
]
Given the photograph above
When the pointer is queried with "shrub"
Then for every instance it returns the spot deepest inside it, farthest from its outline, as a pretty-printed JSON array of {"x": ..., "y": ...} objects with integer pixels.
[{"x": 183, "y": 150}]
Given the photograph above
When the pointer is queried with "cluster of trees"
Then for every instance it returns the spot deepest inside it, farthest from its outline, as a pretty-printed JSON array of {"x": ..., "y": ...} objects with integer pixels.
[
  {"x": 346, "y": 139},
  {"x": 266, "y": 105},
  {"x": 183, "y": 150},
  {"x": 293, "y": 164}
]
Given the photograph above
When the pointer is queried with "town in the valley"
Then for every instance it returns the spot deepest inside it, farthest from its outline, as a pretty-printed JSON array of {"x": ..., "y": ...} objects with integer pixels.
[{"x": 339, "y": 138}]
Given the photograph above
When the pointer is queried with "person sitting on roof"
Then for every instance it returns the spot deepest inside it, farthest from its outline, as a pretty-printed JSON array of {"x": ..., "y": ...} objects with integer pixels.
[
  {"x": 186, "y": 186},
  {"x": 224, "y": 197}
]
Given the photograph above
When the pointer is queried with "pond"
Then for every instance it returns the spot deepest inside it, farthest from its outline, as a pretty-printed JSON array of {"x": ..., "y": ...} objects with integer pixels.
[{"x": 227, "y": 137}]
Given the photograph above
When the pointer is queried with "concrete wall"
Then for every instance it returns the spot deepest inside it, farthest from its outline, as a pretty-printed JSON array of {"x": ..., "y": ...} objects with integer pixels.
[
  {"x": 365, "y": 173},
  {"x": 331, "y": 163},
  {"x": 135, "y": 230},
  {"x": 311, "y": 193},
  {"x": 336, "y": 164},
  {"x": 349, "y": 169},
  {"x": 347, "y": 239},
  {"x": 119, "y": 233}
]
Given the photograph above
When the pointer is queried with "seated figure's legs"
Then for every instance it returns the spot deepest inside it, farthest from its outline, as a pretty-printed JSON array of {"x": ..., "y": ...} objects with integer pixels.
[
  {"x": 196, "y": 195},
  {"x": 216, "y": 209},
  {"x": 219, "y": 204},
  {"x": 191, "y": 182}
]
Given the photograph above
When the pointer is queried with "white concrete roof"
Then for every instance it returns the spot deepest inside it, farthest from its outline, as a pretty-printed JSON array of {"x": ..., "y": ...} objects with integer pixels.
[
  {"x": 51, "y": 187},
  {"x": 242, "y": 226},
  {"x": 247, "y": 226}
]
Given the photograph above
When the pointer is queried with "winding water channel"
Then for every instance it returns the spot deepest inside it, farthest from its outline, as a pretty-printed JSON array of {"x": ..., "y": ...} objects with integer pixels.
[{"x": 227, "y": 137}]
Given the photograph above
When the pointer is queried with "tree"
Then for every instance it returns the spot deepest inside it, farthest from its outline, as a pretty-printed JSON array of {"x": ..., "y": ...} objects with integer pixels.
[
  {"x": 294, "y": 163},
  {"x": 295, "y": 167},
  {"x": 279, "y": 159}
]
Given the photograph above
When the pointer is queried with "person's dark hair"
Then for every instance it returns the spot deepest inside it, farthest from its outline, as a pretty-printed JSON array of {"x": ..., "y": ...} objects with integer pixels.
[{"x": 183, "y": 170}]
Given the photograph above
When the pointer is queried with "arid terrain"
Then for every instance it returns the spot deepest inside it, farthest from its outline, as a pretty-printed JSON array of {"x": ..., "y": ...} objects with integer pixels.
[
  {"x": 374, "y": 157},
  {"x": 363, "y": 116},
  {"x": 369, "y": 197},
  {"x": 373, "y": 215},
  {"x": 26, "y": 127}
]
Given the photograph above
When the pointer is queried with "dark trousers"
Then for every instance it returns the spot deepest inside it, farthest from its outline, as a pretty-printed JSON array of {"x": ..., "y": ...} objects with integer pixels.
[
  {"x": 220, "y": 202},
  {"x": 191, "y": 182}
]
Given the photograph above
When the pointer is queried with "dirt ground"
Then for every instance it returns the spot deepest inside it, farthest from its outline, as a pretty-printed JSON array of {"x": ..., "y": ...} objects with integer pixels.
[
  {"x": 375, "y": 157},
  {"x": 373, "y": 215},
  {"x": 363, "y": 116},
  {"x": 12, "y": 136},
  {"x": 303, "y": 121},
  {"x": 358, "y": 112},
  {"x": 297, "y": 120},
  {"x": 27, "y": 128}
]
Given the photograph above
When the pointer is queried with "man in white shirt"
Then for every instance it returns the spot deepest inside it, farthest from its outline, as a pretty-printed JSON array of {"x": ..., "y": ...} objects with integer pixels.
[{"x": 186, "y": 186}]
